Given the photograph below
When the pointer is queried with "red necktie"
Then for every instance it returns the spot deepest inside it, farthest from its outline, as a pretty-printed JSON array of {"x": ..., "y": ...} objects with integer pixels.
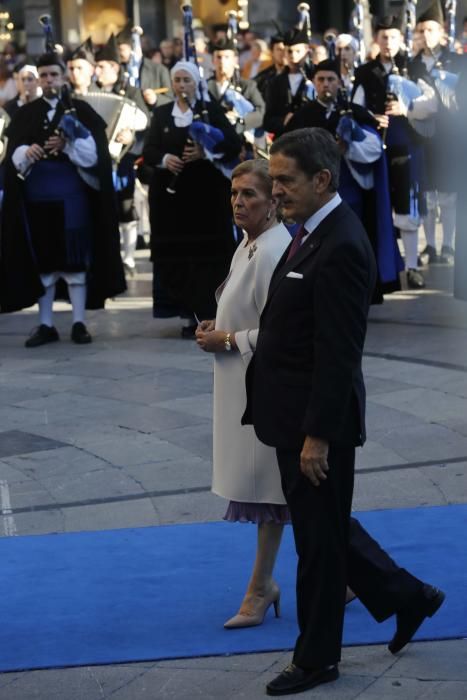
[{"x": 297, "y": 242}]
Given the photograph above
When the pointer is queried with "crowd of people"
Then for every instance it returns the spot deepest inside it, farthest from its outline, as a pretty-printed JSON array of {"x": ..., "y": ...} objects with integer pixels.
[{"x": 274, "y": 180}]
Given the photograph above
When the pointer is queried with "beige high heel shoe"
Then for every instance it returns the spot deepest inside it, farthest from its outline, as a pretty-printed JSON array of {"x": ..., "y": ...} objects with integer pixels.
[{"x": 254, "y": 608}]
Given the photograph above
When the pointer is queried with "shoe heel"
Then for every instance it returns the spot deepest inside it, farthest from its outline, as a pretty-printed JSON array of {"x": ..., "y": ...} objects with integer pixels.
[{"x": 277, "y": 607}]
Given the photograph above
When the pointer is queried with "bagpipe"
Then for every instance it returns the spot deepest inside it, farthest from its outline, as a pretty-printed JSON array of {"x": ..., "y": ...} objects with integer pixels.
[
  {"x": 304, "y": 23},
  {"x": 357, "y": 19},
  {"x": 69, "y": 126},
  {"x": 200, "y": 131},
  {"x": 233, "y": 99},
  {"x": 136, "y": 56}
]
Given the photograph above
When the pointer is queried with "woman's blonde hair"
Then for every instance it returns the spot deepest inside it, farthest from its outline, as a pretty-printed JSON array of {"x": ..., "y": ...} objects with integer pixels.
[{"x": 258, "y": 167}]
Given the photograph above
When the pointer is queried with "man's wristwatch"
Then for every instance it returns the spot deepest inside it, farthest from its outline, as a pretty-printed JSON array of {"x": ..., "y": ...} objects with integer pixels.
[{"x": 227, "y": 343}]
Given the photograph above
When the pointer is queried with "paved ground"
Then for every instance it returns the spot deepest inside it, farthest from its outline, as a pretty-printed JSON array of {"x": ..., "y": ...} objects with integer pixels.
[{"x": 117, "y": 434}]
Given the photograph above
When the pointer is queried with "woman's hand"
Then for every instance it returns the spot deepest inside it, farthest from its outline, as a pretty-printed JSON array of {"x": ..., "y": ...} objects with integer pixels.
[
  {"x": 174, "y": 164},
  {"x": 192, "y": 151},
  {"x": 207, "y": 326},
  {"x": 212, "y": 341}
]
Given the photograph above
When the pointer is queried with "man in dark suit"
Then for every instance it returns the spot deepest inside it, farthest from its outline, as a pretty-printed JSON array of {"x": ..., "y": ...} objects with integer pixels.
[{"x": 306, "y": 397}]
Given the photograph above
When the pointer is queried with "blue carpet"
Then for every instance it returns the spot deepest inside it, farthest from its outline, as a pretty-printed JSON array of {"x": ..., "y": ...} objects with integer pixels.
[{"x": 164, "y": 592}]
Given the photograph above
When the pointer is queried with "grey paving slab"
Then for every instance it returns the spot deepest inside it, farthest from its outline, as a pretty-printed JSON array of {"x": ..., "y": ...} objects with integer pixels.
[
  {"x": 425, "y": 403},
  {"x": 173, "y": 474},
  {"x": 423, "y": 442},
  {"x": 402, "y": 489},
  {"x": 193, "y": 507},
  {"x": 110, "y": 516},
  {"x": 15, "y": 442}
]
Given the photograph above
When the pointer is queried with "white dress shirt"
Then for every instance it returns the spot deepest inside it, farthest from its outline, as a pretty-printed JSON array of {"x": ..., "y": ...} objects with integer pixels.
[{"x": 314, "y": 221}]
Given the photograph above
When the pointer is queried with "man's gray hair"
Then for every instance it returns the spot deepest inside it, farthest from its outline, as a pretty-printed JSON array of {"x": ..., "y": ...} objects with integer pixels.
[{"x": 314, "y": 150}]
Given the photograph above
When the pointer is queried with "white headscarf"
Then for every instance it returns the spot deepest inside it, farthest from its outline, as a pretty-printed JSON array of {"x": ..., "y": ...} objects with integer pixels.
[
  {"x": 29, "y": 69},
  {"x": 193, "y": 70},
  {"x": 347, "y": 40}
]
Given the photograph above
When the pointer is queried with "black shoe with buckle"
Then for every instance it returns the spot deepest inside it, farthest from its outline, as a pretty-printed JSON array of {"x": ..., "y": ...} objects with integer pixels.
[
  {"x": 79, "y": 334},
  {"x": 41, "y": 335},
  {"x": 415, "y": 279},
  {"x": 409, "y": 619},
  {"x": 294, "y": 679},
  {"x": 429, "y": 252}
]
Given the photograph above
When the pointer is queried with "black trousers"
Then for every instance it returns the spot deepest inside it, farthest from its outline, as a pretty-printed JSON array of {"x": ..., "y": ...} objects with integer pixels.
[{"x": 334, "y": 549}]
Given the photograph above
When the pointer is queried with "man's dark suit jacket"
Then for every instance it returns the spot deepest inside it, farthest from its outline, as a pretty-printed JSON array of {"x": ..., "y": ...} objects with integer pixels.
[{"x": 305, "y": 377}]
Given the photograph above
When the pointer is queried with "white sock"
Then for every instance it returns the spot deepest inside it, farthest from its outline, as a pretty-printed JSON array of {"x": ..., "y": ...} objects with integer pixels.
[
  {"x": 46, "y": 305},
  {"x": 448, "y": 220},
  {"x": 130, "y": 236},
  {"x": 77, "y": 294},
  {"x": 429, "y": 224},
  {"x": 410, "y": 240}
]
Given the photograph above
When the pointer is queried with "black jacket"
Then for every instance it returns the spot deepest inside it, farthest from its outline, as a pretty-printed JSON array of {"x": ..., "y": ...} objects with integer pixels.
[
  {"x": 374, "y": 80},
  {"x": 280, "y": 102},
  {"x": 306, "y": 377}
]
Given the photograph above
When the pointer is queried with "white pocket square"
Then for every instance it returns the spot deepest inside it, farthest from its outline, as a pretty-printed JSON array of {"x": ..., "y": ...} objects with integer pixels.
[{"x": 295, "y": 275}]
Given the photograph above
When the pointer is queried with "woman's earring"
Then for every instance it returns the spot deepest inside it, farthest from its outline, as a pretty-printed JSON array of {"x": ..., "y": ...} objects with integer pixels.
[{"x": 268, "y": 216}]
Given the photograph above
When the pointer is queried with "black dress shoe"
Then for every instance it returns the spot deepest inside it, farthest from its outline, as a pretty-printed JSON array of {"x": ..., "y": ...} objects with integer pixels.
[
  {"x": 430, "y": 254},
  {"x": 294, "y": 679},
  {"x": 410, "y": 619},
  {"x": 79, "y": 334},
  {"x": 41, "y": 335}
]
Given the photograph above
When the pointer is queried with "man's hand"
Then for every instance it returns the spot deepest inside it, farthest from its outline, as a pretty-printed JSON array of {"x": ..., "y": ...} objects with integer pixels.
[
  {"x": 174, "y": 164},
  {"x": 35, "y": 152},
  {"x": 55, "y": 144},
  {"x": 395, "y": 108},
  {"x": 383, "y": 120},
  {"x": 314, "y": 460},
  {"x": 150, "y": 96}
]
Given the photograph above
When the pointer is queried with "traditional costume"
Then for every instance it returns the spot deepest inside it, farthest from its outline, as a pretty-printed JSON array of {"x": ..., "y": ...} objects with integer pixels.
[
  {"x": 59, "y": 216},
  {"x": 363, "y": 182},
  {"x": 124, "y": 168},
  {"x": 288, "y": 91},
  {"x": 440, "y": 150},
  {"x": 191, "y": 229},
  {"x": 238, "y": 96},
  {"x": 404, "y": 154}
]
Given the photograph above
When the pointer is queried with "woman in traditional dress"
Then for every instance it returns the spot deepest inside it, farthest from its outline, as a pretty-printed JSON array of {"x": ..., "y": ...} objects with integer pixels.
[
  {"x": 192, "y": 238},
  {"x": 245, "y": 470}
]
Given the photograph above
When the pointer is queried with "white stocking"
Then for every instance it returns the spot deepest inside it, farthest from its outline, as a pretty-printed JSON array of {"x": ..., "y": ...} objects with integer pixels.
[
  {"x": 410, "y": 240},
  {"x": 447, "y": 205},
  {"x": 129, "y": 233},
  {"x": 45, "y": 306},
  {"x": 77, "y": 294}
]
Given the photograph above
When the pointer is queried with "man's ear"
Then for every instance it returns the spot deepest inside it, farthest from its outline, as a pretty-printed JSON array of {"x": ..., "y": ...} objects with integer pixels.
[{"x": 323, "y": 178}]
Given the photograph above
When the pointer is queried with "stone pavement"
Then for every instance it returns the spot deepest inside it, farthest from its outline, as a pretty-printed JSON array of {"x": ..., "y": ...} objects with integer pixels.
[{"x": 118, "y": 434}]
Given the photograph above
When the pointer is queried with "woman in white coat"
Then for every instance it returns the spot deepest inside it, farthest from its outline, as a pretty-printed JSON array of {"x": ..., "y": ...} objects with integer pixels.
[{"x": 245, "y": 470}]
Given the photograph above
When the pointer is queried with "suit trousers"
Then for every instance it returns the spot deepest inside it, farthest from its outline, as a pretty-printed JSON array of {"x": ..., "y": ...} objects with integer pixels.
[
  {"x": 321, "y": 521},
  {"x": 334, "y": 549}
]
